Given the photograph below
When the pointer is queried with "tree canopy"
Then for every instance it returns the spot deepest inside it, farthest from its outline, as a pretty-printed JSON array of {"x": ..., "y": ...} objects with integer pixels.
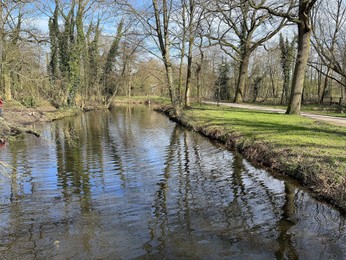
[{"x": 94, "y": 50}]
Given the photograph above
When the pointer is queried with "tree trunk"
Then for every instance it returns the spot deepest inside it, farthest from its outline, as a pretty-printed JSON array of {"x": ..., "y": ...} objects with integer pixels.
[
  {"x": 319, "y": 83},
  {"x": 285, "y": 87},
  {"x": 198, "y": 83},
  {"x": 342, "y": 94},
  {"x": 164, "y": 44},
  {"x": 189, "y": 71},
  {"x": 189, "y": 55},
  {"x": 169, "y": 75},
  {"x": 325, "y": 86},
  {"x": 304, "y": 35},
  {"x": 271, "y": 74},
  {"x": 180, "y": 83},
  {"x": 243, "y": 71},
  {"x": 7, "y": 83}
]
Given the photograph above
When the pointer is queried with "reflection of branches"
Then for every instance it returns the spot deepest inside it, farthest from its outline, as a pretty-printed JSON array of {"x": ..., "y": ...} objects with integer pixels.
[
  {"x": 115, "y": 151},
  {"x": 160, "y": 206},
  {"x": 270, "y": 195},
  {"x": 5, "y": 167},
  {"x": 239, "y": 192},
  {"x": 286, "y": 246},
  {"x": 70, "y": 163},
  {"x": 186, "y": 208}
]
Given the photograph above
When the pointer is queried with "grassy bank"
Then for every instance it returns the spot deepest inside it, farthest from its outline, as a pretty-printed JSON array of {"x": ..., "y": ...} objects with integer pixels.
[
  {"x": 326, "y": 110},
  {"x": 310, "y": 151}
]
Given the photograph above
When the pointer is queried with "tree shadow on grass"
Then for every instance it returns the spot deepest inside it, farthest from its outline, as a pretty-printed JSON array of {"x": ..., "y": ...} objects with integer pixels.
[{"x": 277, "y": 126}]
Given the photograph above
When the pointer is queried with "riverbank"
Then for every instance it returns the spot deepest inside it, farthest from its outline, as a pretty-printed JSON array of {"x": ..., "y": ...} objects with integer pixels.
[
  {"x": 140, "y": 100},
  {"x": 311, "y": 151},
  {"x": 19, "y": 119}
]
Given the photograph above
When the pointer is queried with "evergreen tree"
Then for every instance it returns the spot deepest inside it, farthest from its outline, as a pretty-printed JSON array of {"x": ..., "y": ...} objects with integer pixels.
[
  {"x": 287, "y": 59},
  {"x": 94, "y": 57},
  {"x": 53, "y": 35},
  {"x": 111, "y": 56},
  {"x": 77, "y": 57},
  {"x": 223, "y": 82}
]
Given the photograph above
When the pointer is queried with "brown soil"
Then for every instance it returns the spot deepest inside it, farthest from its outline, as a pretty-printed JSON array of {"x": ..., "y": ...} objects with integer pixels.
[{"x": 18, "y": 119}]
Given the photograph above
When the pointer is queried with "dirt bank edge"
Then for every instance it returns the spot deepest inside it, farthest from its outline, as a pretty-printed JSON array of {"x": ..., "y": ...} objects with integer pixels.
[
  {"x": 261, "y": 153},
  {"x": 18, "y": 119}
]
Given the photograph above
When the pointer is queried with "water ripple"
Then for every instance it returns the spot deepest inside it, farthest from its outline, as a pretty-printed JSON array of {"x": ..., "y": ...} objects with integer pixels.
[{"x": 131, "y": 184}]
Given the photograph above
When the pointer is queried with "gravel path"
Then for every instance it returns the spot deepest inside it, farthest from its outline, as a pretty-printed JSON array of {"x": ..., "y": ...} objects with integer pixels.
[{"x": 340, "y": 121}]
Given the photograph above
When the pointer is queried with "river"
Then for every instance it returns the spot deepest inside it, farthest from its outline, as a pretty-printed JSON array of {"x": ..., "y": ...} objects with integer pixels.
[{"x": 130, "y": 184}]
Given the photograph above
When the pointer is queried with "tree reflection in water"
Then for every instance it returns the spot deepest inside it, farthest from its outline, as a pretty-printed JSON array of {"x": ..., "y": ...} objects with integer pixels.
[{"x": 130, "y": 184}]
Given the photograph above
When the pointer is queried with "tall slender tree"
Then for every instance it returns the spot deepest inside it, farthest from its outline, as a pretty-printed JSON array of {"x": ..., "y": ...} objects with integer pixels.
[
  {"x": 111, "y": 57},
  {"x": 287, "y": 59},
  {"x": 54, "y": 44},
  {"x": 162, "y": 21}
]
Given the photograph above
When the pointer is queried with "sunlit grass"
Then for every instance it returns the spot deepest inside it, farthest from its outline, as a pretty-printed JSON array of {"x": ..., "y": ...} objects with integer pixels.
[
  {"x": 296, "y": 141},
  {"x": 314, "y": 109}
]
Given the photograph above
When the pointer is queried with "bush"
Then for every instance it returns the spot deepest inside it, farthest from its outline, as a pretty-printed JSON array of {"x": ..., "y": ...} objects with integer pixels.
[{"x": 29, "y": 102}]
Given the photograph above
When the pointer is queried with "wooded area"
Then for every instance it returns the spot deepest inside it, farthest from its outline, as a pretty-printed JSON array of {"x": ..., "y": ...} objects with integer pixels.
[{"x": 73, "y": 52}]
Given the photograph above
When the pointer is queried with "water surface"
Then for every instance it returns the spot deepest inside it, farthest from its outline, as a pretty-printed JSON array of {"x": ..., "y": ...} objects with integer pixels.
[{"x": 129, "y": 184}]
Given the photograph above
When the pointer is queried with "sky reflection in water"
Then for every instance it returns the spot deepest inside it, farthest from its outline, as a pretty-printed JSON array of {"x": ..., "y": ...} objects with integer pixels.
[{"x": 131, "y": 184}]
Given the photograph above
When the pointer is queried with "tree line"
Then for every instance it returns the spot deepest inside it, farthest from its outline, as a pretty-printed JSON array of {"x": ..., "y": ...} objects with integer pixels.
[{"x": 284, "y": 52}]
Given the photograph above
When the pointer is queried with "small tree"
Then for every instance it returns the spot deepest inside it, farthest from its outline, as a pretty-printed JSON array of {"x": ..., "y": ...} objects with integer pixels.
[
  {"x": 222, "y": 91},
  {"x": 287, "y": 58}
]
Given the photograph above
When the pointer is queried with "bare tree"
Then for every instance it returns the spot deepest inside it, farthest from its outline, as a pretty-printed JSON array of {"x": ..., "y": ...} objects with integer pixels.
[
  {"x": 19, "y": 41},
  {"x": 329, "y": 41},
  {"x": 155, "y": 20},
  {"x": 298, "y": 12},
  {"x": 240, "y": 29},
  {"x": 195, "y": 13},
  {"x": 162, "y": 18}
]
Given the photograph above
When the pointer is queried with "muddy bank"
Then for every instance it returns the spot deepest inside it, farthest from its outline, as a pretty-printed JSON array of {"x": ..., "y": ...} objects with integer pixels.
[
  {"x": 314, "y": 176},
  {"x": 18, "y": 119}
]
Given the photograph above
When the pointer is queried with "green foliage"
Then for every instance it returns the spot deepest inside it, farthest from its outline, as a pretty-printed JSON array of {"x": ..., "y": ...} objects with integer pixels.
[
  {"x": 113, "y": 51},
  {"x": 54, "y": 45},
  {"x": 74, "y": 57},
  {"x": 111, "y": 56},
  {"x": 93, "y": 54},
  {"x": 30, "y": 102},
  {"x": 66, "y": 41}
]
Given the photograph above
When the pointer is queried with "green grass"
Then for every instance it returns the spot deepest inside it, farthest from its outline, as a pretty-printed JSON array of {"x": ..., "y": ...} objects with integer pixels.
[
  {"x": 313, "y": 109},
  {"x": 285, "y": 131},
  {"x": 300, "y": 146},
  {"x": 324, "y": 110}
]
